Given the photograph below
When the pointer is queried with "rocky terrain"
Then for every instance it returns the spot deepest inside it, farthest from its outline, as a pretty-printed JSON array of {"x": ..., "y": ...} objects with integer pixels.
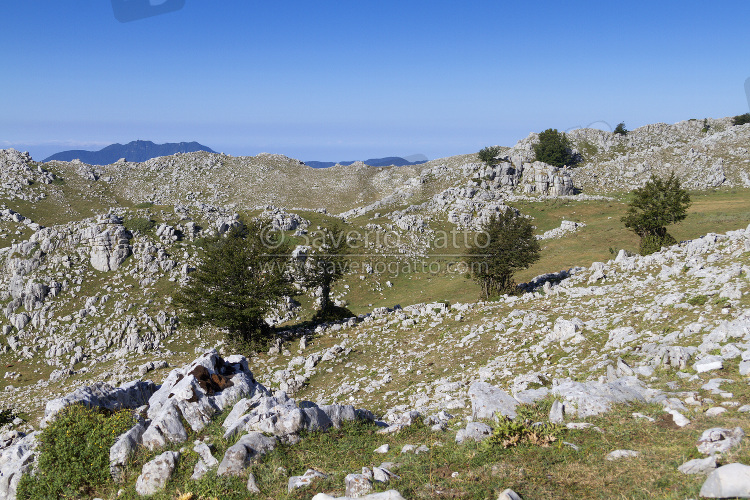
[{"x": 86, "y": 293}]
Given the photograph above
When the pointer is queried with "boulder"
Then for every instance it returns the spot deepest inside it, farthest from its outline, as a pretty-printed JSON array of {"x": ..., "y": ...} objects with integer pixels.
[
  {"x": 698, "y": 465},
  {"x": 487, "y": 400},
  {"x": 728, "y": 481}
]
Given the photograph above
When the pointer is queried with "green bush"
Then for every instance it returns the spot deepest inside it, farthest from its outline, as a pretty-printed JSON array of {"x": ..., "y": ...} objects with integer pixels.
[
  {"x": 706, "y": 126},
  {"x": 140, "y": 224},
  {"x": 73, "y": 453},
  {"x": 6, "y": 417},
  {"x": 145, "y": 204},
  {"x": 620, "y": 129},
  {"x": 698, "y": 300},
  {"x": 513, "y": 432},
  {"x": 487, "y": 155},
  {"x": 554, "y": 148},
  {"x": 506, "y": 244},
  {"x": 741, "y": 119}
]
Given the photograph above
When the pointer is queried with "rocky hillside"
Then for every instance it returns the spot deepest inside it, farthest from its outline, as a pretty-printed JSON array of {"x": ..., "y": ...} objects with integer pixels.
[{"x": 90, "y": 257}]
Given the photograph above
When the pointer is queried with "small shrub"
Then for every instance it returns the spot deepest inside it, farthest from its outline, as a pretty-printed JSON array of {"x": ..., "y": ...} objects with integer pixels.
[
  {"x": 698, "y": 300},
  {"x": 6, "y": 417},
  {"x": 140, "y": 224},
  {"x": 145, "y": 204},
  {"x": 706, "y": 127},
  {"x": 741, "y": 119},
  {"x": 73, "y": 453},
  {"x": 513, "y": 432},
  {"x": 620, "y": 129}
]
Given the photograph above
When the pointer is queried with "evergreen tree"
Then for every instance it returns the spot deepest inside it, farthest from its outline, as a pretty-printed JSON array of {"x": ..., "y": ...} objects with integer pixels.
[
  {"x": 653, "y": 207},
  {"x": 242, "y": 276},
  {"x": 505, "y": 245},
  {"x": 620, "y": 129},
  {"x": 554, "y": 149}
]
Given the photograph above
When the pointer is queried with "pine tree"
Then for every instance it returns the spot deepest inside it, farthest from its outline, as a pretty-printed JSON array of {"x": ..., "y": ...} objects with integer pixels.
[{"x": 242, "y": 276}]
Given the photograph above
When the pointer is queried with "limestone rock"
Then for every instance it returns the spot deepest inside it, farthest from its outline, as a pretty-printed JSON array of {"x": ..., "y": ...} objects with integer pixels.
[
  {"x": 719, "y": 440},
  {"x": 474, "y": 430},
  {"x": 357, "y": 485},
  {"x": 487, "y": 400},
  {"x": 728, "y": 481},
  {"x": 508, "y": 494},
  {"x": 156, "y": 473},
  {"x": 698, "y": 465},
  {"x": 304, "y": 480}
]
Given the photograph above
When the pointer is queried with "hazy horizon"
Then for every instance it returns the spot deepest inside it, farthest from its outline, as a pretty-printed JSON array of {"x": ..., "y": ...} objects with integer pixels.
[{"x": 327, "y": 81}]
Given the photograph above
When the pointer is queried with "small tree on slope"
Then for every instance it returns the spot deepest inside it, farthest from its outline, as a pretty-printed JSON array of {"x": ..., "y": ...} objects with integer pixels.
[
  {"x": 506, "y": 244},
  {"x": 653, "y": 207}
]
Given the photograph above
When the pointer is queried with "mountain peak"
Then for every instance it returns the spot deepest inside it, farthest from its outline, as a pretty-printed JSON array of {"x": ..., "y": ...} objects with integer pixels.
[{"x": 136, "y": 151}]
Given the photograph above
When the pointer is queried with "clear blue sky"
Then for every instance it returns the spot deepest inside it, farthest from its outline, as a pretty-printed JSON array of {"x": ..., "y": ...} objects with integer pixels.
[{"x": 337, "y": 80}]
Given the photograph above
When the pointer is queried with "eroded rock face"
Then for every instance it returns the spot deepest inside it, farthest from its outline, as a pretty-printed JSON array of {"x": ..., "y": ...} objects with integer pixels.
[
  {"x": 103, "y": 395},
  {"x": 109, "y": 242}
]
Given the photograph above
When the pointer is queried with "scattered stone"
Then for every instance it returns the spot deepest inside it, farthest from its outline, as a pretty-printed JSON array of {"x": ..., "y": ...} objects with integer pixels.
[
  {"x": 715, "y": 411},
  {"x": 487, "y": 400},
  {"x": 383, "y": 449},
  {"x": 252, "y": 486},
  {"x": 385, "y": 495},
  {"x": 557, "y": 413},
  {"x": 357, "y": 485},
  {"x": 304, "y": 480},
  {"x": 618, "y": 454},
  {"x": 709, "y": 363},
  {"x": 474, "y": 430},
  {"x": 698, "y": 465},
  {"x": 509, "y": 494}
]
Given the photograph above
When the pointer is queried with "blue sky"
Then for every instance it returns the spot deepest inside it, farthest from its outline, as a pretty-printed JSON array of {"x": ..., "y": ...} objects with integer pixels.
[{"x": 335, "y": 80}]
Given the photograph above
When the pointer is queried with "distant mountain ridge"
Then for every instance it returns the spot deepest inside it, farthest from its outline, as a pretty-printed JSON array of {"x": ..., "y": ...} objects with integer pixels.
[
  {"x": 135, "y": 151},
  {"x": 373, "y": 162}
]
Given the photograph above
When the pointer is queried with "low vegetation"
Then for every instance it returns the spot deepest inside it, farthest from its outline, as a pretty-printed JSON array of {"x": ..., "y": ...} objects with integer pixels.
[{"x": 74, "y": 454}]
